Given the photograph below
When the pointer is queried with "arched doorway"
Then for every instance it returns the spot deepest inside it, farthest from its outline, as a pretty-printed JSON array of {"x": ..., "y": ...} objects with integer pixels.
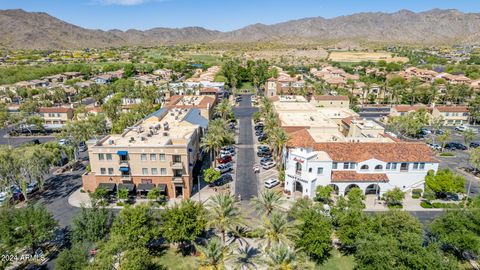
[
  {"x": 298, "y": 187},
  {"x": 372, "y": 189},
  {"x": 349, "y": 187},
  {"x": 335, "y": 188}
]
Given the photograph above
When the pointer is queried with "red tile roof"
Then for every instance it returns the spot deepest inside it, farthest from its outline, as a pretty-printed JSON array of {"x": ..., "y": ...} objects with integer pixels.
[
  {"x": 351, "y": 176},
  {"x": 299, "y": 137},
  {"x": 53, "y": 110},
  {"x": 408, "y": 108},
  {"x": 460, "y": 108},
  {"x": 329, "y": 97},
  {"x": 387, "y": 152}
]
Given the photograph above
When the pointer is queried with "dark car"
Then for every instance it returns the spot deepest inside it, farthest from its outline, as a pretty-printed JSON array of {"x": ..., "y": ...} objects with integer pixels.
[
  {"x": 455, "y": 146},
  {"x": 474, "y": 144},
  {"x": 262, "y": 138},
  {"x": 224, "y": 159},
  {"x": 265, "y": 160},
  {"x": 263, "y": 151},
  {"x": 259, "y": 133},
  {"x": 225, "y": 178}
]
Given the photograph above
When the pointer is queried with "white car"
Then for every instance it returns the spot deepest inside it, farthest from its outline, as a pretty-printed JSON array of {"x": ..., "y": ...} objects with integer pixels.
[
  {"x": 461, "y": 128},
  {"x": 3, "y": 197},
  {"x": 223, "y": 168},
  {"x": 270, "y": 183},
  {"x": 435, "y": 146},
  {"x": 268, "y": 165}
]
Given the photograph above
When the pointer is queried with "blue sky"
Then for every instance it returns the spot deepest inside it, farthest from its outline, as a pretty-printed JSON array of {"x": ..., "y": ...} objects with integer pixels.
[{"x": 223, "y": 15}]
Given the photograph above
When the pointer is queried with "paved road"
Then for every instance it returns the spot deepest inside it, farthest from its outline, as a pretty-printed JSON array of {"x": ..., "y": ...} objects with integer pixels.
[{"x": 246, "y": 181}]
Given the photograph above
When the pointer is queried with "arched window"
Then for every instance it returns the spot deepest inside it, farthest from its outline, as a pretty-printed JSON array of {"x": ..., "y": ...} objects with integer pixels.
[
  {"x": 364, "y": 167},
  {"x": 298, "y": 167},
  {"x": 379, "y": 167}
]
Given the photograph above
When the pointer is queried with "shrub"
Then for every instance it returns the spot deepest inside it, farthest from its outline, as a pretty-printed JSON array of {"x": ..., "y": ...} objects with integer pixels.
[
  {"x": 446, "y": 154},
  {"x": 426, "y": 204},
  {"x": 120, "y": 204},
  {"x": 415, "y": 196}
]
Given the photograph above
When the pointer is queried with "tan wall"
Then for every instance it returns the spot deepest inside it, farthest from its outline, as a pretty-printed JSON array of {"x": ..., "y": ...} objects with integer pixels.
[
  {"x": 453, "y": 119},
  {"x": 332, "y": 103}
]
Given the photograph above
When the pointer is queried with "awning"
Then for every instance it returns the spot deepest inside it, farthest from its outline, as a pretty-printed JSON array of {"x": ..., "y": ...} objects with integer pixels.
[
  {"x": 145, "y": 187},
  {"x": 129, "y": 187},
  {"x": 122, "y": 153},
  {"x": 110, "y": 187},
  {"x": 162, "y": 187},
  {"x": 124, "y": 169}
]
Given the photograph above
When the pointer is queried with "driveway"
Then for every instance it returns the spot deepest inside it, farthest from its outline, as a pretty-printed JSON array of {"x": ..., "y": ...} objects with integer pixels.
[
  {"x": 246, "y": 181},
  {"x": 16, "y": 141}
]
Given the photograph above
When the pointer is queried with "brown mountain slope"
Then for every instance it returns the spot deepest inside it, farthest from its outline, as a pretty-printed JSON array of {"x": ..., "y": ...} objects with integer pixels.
[{"x": 20, "y": 29}]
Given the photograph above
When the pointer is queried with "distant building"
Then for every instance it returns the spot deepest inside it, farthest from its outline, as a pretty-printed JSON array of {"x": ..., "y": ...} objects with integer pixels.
[
  {"x": 55, "y": 116},
  {"x": 452, "y": 115}
]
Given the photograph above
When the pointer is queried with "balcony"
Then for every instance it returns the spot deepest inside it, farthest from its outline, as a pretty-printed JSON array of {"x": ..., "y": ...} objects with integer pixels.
[
  {"x": 177, "y": 180},
  {"x": 126, "y": 178},
  {"x": 176, "y": 165},
  {"x": 123, "y": 162}
]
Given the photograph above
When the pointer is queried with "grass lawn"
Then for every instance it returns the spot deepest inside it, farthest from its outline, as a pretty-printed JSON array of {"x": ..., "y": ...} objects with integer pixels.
[
  {"x": 172, "y": 260},
  {"x": 245, "y": 85},
  {"x": 205, "y": 58},
  {"x": 338, "y": 262}
]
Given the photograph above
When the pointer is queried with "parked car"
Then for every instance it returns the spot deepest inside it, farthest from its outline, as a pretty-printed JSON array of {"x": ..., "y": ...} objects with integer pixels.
[
  {"x": 32, "y": 187},
  {"x": 439, "y": 131},
  {"x": 229, "y": 152},
  {"x": 264, "y": 153},
  {"x": 455, "y": 146},
  {"x": 82, "y": 147},
  {"x": 223, "y": 168},
  {"x": 268, "y": 165},
  {"x": 225, "y": 178},
  {"x": 228, "y": 147},
  {"x": 16, "y": 194},
  {"x": 259, "y": 133},
  {"x": 3, "y": 197},
  {"x": 474, "y": 144},
  {"x": 425, "y": 131},
  {"x": 225, "y": 159},
  {"x": 256, "y": 168},
  {"x": 465, "y": 128},
  {"x": 264, "y": 160},
  {"x": 262, "y": 138},
  {"x": 270, "y": 183},
  {"x": 263, "y": 148},
  {"x": 434, "y": 146}
]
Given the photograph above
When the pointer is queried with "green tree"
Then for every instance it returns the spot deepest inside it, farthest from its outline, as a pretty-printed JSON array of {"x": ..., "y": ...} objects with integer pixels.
[
  {"x": 184, "y": 222},
  {"x": 224, "y": 214},
  {"x": 475, "y": 158},
  {"x": 444, "y": 138},
  {"x": 314, "y": 237},
  {"x": 277, "y": 229},
  {"x": 122, "y": 194},
  {"x": 73, "y": 258},
  {"x": 444, "y": 182},
  {"x": 355, "y": 198},
  {"x": 137, "y": 226},
  {"x": 282, "y": 257},
  {"x": 268, "y": 201},
  {"x": 211, "y": 175},
  {"x": 91, "y": 224},
  {"x": 138, "y": 259},
  {"x": 33, "y": 226},
  {"x": 394, "y": 197},
  {"x": 324, "y": 193},
  {"x": 154, "y": 194},
  {"x": 458, "y": 231},
  {"x": 214, "y": 254},
  {"x": 353, "y": 224},
  {"x": 468, "y": 136}
]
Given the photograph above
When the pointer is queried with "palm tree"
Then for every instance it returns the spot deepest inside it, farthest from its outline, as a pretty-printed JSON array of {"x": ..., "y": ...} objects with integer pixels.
[
  {"x": 224, "y": 214},
  {"x": 214, "y": 254},
  {"x": 223, "y": 109},
  {"x": 278, "y": 138},
  {"x": 211, "y": 143},
  {"x": 277, "y": 229},
  {"x": 246, "y": 258},
  {"x": 281, "y": 257},
  {"x": 468, "y": 136},
  {"x": 268, "y": 201}
]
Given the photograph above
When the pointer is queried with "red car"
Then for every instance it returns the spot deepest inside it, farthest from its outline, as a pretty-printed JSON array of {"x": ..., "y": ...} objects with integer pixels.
[{"x": 225, "y": 159}]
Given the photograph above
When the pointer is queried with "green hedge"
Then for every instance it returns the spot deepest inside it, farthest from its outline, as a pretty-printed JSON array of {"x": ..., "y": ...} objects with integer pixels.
[
  {"x": 447, "y": 154},
  {"x": 426, "y": 204}
]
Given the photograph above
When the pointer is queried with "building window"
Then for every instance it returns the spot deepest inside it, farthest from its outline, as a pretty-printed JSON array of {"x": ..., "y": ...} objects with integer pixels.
[
  {"x": 110, "y": 171},
  {"x": 163, "y": 171},
  {"x": 101, "y": 156},
  {"x": 103, "y": 171},
  {"x": 391, "y": 166},
  {"x": 162, "y": 157},
  {"x": 108, "y": 156},
  {"x": 349, "y": 165},
  {"x": 422, "y": 165},
  {"x": 364, "y": 167},
  {"x": 154, "y": 171},
  {"x": 143, "y": 157},
  {"x": 404, "y": 167},
  {"x": 378, "y": 167},
  {"x": 334, "y": 165},
  {"x": 319, "y": 170},
  {"x": 153, "y": 156},
  {"x": 144, "y": 171},
  {"x": 309, "y": 170},
  {"x": 419, "y": 165},
  {"x": 298, "y": 167},
  {"x": 177, "y": 159}
]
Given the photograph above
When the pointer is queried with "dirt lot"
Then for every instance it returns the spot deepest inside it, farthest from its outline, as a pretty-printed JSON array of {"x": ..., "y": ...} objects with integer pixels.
[{"x": 354, "y": 57}]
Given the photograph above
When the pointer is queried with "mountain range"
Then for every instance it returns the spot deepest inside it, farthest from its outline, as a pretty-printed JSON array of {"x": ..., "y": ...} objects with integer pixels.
[{"x": 37, "y": 30}]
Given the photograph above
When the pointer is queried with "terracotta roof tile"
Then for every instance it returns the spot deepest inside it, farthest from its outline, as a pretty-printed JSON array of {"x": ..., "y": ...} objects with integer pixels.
[
  {"x": 408, "y": 108},
  {"x": 387, "y": 152},
  {"x": 53, "y": 110},
  {"x": 452, "y": 108},
  {"x": 351, "y": 176},
  {"x": 299, "y": 138}
]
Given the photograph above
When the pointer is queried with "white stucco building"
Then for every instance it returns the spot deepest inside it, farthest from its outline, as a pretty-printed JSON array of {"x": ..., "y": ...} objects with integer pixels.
[{"x": 373, "y": 167}]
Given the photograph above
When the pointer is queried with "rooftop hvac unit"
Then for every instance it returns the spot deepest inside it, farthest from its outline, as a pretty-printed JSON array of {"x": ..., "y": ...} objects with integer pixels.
[
  {"x": 143, "y": 139},
  {"x": 111, "y": 142},
  {"x": 132, "y": 139},
  {"x": 165, "y": 134}
]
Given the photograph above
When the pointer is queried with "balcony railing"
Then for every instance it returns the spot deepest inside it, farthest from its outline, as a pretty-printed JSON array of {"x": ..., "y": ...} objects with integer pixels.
[
  {"x": 177, "y": 179},
  {"x": 176, "y": 165},
  {"x": 123, "y": 162},
  {"x": 126, "y": 178}
]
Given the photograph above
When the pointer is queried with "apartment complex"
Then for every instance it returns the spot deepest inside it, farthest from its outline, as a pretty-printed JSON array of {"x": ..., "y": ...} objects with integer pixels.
[
  {"x": 55, "y": 116},
  {"x": 452, "y": 115},
  {"x": 160, "y": 151},
  {"x": 283, "y": 84}
]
